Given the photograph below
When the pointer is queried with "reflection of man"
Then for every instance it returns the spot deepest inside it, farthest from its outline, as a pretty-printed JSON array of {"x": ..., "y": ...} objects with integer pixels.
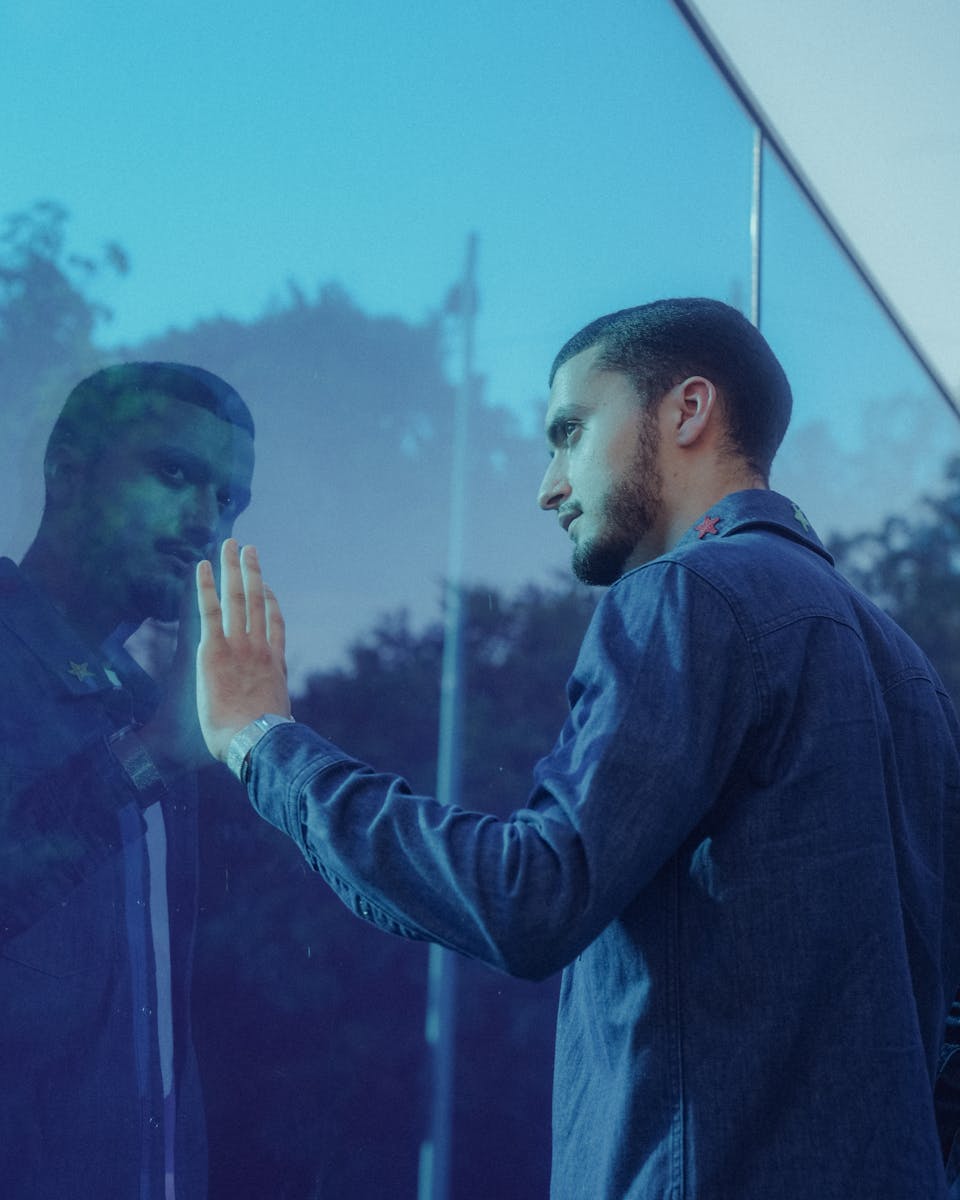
[
  {"x": 947, "y": 1095},
  {"x": 146, "y": 469},
  {"x": 741, "y": 848}
]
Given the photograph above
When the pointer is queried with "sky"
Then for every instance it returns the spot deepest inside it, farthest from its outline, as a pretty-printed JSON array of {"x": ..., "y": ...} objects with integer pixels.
[{"x": 231, "y": 151}]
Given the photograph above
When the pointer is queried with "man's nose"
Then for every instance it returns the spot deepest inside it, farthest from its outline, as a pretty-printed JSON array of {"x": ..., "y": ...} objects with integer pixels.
[
  {"x": 554, "y": 488},
  {"x": 201, "y": 516}
]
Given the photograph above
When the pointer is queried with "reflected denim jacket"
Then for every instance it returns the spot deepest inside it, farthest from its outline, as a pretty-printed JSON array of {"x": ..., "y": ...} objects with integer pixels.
[
  {"x": 742, "y": 851},
  {"x": 82, "y": 1107}
]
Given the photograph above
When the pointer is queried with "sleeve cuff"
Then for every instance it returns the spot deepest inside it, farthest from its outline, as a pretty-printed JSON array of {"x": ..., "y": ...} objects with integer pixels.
[{"x": 242, "y": 742}]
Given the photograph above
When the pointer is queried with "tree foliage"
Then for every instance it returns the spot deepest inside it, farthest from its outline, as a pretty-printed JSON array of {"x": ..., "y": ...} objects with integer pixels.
[
  {"x": 47, "y": 316},
  {"x": 910, "y": 565},
  {"x": 48, "y": 323},
  {"x": 351, "y": 493}
]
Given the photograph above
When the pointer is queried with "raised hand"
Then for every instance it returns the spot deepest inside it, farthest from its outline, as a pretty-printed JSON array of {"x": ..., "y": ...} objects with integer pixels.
[
  {"x": 172, "y": 735},
  {"x": 241, "y": 670}
]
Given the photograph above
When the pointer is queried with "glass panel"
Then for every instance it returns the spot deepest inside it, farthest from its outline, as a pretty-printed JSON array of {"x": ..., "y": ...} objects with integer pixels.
[
  {"x": 870, "y": 433},
  {"x": 283, "y": 195},
  {"x": 872, "y": 449}
]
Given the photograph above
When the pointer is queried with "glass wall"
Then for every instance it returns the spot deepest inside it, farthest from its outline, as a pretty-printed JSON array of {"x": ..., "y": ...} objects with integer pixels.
[
  {"x": 285, "y": 195},
  {"x": 864, "y": 405}
]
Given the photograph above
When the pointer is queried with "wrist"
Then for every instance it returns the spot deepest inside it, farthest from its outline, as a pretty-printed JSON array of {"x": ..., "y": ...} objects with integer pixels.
[{"x": 244, "y": 740}]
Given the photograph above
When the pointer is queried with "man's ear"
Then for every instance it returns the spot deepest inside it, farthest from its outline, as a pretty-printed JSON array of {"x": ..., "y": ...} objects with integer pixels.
[
  {"x": 694, "y": 407},
  {"x": 63, "y": 472}
]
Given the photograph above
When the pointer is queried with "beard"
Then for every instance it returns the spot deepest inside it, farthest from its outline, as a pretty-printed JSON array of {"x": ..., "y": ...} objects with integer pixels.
[
  {"x": 159, "y": 598},
  {"x": 118, "y": 586},
  {"x": 629, "y": 512}
]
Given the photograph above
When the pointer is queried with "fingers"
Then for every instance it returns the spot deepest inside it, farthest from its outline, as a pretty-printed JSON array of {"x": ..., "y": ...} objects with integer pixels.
[
  {"x": 234, "y": 600},
  {"x": 208, "y": 602},
  {"x": 248, "y": 605},
  {"x": 188, "y": 617},
  {"x": 276, "y": 627},
  {"x": 256, "y": 624}
]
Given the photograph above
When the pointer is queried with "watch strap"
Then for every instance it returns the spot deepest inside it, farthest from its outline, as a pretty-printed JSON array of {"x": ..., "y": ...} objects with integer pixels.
[
  {"x": 242, "y": 742},
  {"x": 141, "y": 770}
]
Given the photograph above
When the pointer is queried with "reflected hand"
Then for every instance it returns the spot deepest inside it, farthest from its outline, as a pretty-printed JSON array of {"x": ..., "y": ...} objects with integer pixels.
[
  {"x": 172, "y": 735},
  {"x": 241, "y": 670}
]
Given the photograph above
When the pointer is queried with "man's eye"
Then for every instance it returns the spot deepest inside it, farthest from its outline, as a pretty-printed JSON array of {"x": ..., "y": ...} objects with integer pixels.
[
  {"x": 172, "y": 471},
  {"x": 564, "y": 434},
  {"x": 225, "y": 501}
]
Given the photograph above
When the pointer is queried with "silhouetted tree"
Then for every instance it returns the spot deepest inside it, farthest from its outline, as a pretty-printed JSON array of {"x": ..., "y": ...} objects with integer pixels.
[
  {"x": 48, "y": 319},
  {"x": 354, "y": 418},
  {"x": 47, "y": 316},
  {"x": 911, "y": 566}
]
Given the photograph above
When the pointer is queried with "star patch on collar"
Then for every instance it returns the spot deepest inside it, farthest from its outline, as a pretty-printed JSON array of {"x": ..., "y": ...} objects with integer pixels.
[
  {"x": 800, "y": 516},
  {"x": 707, "y": 526},
  {"x": 80, "y": 670}
]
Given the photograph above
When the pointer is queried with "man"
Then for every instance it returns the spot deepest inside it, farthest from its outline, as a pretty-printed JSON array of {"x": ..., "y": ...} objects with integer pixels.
[
  {"x": 146, "y": 469},
  {"x": 742, "y": 848}
]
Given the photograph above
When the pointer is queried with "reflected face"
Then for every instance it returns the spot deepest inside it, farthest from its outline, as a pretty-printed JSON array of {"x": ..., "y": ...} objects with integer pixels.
[
  {"x": 159, "y": 497},
  {"x": 604, "y": 480}
]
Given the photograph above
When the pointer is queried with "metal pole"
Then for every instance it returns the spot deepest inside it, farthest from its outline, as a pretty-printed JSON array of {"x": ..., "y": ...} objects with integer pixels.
[
  {"x": 440, "y": 1029},
  {"x": 756, "y": 226}
]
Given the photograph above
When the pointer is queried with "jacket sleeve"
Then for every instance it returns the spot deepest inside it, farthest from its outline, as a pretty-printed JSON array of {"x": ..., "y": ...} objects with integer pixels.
[{"x": 661, "y": 700}]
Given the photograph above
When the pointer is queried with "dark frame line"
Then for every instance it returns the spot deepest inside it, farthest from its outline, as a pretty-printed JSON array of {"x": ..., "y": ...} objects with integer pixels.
[{"x": 706, "y": 38}]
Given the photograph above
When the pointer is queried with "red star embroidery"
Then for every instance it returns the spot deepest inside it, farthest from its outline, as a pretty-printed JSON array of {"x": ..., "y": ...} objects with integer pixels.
[{"x": 707, "y": 526}]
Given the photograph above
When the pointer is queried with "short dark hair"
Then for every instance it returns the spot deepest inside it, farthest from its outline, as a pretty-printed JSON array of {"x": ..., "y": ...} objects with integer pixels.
[
  {"x": 104, "y": 391},
  {"x": 113, "y": 396},
  {"x": 659, "y": 345}
]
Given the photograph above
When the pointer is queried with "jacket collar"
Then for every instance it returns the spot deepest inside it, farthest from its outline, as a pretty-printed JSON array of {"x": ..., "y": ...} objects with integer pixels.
[
  {"x": 757, "y": 508},
  {"x": 30, "y": 615}
]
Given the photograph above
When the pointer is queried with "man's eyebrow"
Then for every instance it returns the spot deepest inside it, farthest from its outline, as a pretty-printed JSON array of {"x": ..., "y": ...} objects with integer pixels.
[{"x": 173, "y": 449}]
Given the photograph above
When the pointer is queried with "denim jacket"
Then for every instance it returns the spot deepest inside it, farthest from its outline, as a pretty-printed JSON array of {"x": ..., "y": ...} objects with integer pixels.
[
  {"x": 83, "y": 1110},
  {"x": 742, "y": 851}
]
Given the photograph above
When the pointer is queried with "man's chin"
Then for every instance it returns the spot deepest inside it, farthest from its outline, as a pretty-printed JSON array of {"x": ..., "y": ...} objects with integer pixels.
[
  {"x": 157, "y": 599},
  {"x": 598, "y": 565}
]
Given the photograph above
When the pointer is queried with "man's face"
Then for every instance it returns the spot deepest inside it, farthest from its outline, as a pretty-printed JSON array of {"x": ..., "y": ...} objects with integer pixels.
[
  {"x": 604, "y": 479},
  {"x": 161, "y": 496}
]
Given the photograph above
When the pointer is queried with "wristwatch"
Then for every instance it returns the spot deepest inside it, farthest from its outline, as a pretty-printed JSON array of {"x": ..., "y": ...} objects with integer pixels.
[
  {"x": 238, "y": 752},
  {"x": 133, "y": 756}
]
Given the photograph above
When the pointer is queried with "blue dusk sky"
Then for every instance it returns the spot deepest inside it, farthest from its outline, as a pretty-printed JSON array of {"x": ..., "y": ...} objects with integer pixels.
[{"x": 231, "y": 151}]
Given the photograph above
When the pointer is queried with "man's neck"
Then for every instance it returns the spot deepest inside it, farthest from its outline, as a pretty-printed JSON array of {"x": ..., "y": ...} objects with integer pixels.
[
  {"x": 62, "y": 583},
  {"x": 704, "y": 494}
]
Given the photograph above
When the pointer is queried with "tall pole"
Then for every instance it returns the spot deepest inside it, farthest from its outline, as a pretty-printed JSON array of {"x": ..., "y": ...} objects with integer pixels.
[
  {"x": 756, "y": 227},
  {"x": 440, "y": 1028}
]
